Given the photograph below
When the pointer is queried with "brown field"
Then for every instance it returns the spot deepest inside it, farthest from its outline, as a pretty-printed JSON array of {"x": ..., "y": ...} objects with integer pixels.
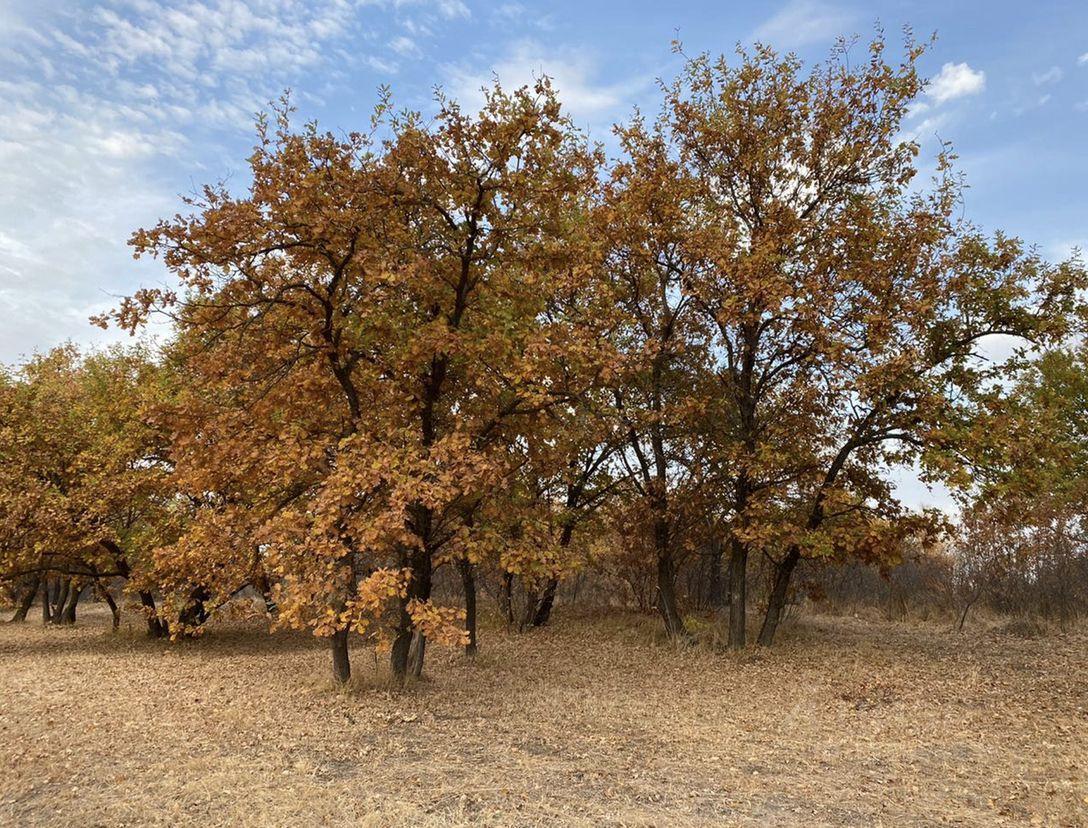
[{"x": 849, "y": 722}]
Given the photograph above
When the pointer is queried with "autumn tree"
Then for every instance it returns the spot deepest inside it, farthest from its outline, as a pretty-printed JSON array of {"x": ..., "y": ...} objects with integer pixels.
[
  {"x": 1021, "y": 548},
  {"x": 361, "y": 335},
  {"x": 83, "y": 495},
  {"x": 659, "y": 341},
  {"x": 843, "y": 307},
  {"x": 566, "y": 470}
]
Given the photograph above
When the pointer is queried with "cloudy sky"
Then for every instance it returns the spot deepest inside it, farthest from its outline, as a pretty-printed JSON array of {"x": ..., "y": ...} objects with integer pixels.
[{"x": 110, "y": 109}]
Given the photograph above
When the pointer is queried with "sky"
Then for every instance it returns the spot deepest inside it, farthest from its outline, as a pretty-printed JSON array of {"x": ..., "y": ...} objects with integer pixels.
[{"x": 111, "y": 110}]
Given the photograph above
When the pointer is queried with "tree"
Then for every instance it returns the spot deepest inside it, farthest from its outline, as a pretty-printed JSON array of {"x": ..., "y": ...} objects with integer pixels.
[
  {"x": 83, "y": 494},
  {"x": 1022, "y": 543},
  {"x": 660, "y": 343},
  {"x": 844, "y": 307},
  {"x": 360, "y": 336}
]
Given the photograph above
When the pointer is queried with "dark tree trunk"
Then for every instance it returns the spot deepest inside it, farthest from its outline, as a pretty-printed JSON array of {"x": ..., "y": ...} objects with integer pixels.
[
  {"x": 27, "y": 600},
  {"x": 155, "y": 627},
  {"x": 57, "y": 614},
  {"x": 506, "y": 598},
  {"x": 667, "y": 603},
  {"x": 738, "y": 595},
  {"x": 341, "y": 663},
  {"x": 528, "y": 611},
  {"x": 468, "y": 584},
  {"x": 398, "y": 655},
  {"x": 68, "y": 615},
  {"x": 114, "y": 609},
  {"x": 547, "y": 601},
  {"x": 195, "y": 612},
  {"x": 416, "y": 653},
  {"x": 418, "y": 589},
  {"x": 47, "y": 601},
  {"x": 777, "y": 603}
]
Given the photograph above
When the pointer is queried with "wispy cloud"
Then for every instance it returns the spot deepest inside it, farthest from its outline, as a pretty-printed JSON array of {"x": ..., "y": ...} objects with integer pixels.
[
  {"x": 801, "y": 22},
  {"x": 449, "y": 9},
  {"x": 404, "y": 46},
  {"x": 103, "y": 100},
  {"x": 1051, "y": 75},
  {"x": 574, "y": 72}
]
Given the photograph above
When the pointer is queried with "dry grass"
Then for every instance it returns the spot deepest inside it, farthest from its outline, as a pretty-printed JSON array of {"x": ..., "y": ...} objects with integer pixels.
[{"x": 848, "y": 723}]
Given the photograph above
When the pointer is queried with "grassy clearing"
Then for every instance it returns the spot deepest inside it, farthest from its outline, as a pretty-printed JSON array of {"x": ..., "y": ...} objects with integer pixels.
[{"x": 849, "y": 722}]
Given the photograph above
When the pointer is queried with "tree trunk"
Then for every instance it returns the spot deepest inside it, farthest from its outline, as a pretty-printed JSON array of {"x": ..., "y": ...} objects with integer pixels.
[
  {"x": 341, "y": 663},
  {"x": 27, "y": 600},
  {"x": 528, "y": 611},
  {"x": 547, "y": 601},
  {"x": 667, "y": 604},
  {"x": 777, "y": 603},
  {"x": 398, "y": 655},
  {"x": 68, "y": 615},
  {"x": 57, "y": 613},
  {"x": 468, "y": 584},
  {"x": 416, "y": 653},
  {"x": 738, "y": 595},
  {"x": 418, "y": 589},
  {"x": 506, "y": 598},
  {"x": 195, "y": 612},
  {"x": 47, "y": 601},
  {"x": 155, "y": 627},
  {"x": 114, "y": 609}
]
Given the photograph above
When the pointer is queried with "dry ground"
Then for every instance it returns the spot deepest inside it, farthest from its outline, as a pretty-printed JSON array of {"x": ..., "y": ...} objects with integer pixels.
[{"x": 849, "y": 722}]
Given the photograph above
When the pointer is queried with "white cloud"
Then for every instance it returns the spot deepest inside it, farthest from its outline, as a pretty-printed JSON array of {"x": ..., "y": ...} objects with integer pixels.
[
  {"x": 801, "y": 22},
  {"x": 1083, "y": 59},
  {"x": 956, "y": 80},
  {"x": 404, "y": 46},
  {"x": 1051, "y": 75},
  {"x": 573, "y": 72},
  {"x": 449, "y": 9}
]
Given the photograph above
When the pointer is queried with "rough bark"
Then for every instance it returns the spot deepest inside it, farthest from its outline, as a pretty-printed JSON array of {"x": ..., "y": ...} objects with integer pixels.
[
  {"x": 547, "y": 601},
  {"x": 667, "y": 603},
  {"x": 777, "y": 602},
  {"x": 27, "y": 600},
  {"x": 114, "y": 609},
  {"x": 468, "y": 584},
  {"x": 47, "y": 602},
  {"x": 68, "y": 614},
  {"x": 56, "y": 615},
  {"x": 419, "y": 589},
  {"x": 416, "y": 654},
  {"x": 738, "y": 595},
  {"x": 155, "y": 627},
  {"x": 506, "y": 598},
  {"x": 341, "y": 662}
]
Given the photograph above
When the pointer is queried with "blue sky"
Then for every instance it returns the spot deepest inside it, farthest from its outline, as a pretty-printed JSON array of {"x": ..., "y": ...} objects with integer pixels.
[{"x": 110, "y": 109}]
